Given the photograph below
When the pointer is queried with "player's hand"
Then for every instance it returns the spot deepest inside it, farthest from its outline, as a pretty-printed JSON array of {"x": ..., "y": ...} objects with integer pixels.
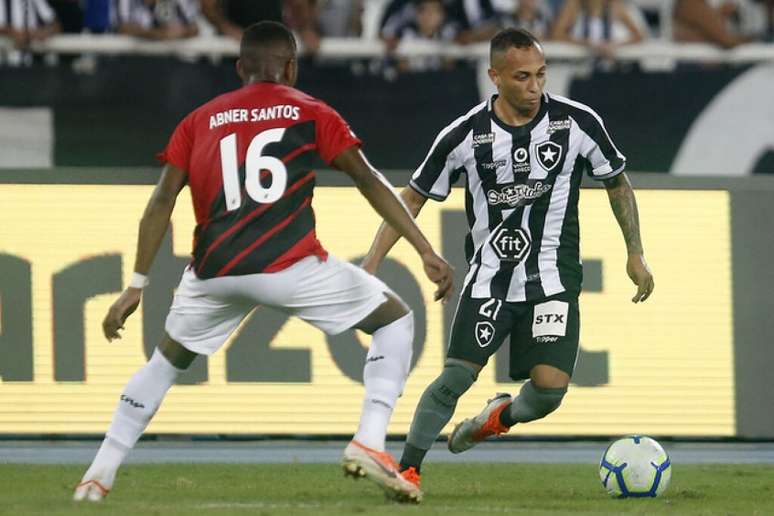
[
  {"x": 124, "y": 306},
  {"x": 439, "y": 272},
  {"x": 639, "y": 272}
]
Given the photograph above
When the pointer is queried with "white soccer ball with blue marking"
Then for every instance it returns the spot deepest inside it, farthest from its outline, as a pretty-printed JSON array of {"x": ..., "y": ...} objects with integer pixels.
[{"x": 635, "y": 467}]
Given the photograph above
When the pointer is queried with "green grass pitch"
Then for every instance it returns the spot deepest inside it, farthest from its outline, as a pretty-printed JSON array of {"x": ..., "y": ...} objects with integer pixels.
[{"x": 321, "y": 489}]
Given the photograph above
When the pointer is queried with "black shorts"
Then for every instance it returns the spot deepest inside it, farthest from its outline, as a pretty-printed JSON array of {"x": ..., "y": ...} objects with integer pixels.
[{"x": 542, "y": 332}]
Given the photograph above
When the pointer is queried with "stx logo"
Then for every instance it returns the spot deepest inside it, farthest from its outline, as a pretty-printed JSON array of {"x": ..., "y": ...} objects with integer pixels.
[
  {"x": 131, "y": 402},
  {"x": 511, "y": 244},
  {"x": 549, "y": 318}
]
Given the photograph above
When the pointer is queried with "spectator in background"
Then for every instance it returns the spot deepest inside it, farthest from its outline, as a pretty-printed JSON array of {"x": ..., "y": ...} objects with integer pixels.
[
  {"x": 231, "y": 17},
  {"x": 698, "y": 21},
  {"x": 158, "y": 19},
  {"x": 472, "y": 20},
  {"x": 25, "y": 21},
  {"x": 601, "y": 25},
  {"x": 340, "y": 18},
  {"x": 477, "y": 20},
  {"x": 534, "y": 16},
  {"x": 430, "y": 23}
]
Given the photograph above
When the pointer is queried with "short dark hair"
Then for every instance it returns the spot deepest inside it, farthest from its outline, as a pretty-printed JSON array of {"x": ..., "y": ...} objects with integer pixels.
[
  {"x": 266, "y": 35},
  {"x": 507, "y": 38}
]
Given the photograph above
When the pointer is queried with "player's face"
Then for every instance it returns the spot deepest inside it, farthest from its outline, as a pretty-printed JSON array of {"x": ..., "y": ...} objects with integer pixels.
[{"x": 520, "y": 76}]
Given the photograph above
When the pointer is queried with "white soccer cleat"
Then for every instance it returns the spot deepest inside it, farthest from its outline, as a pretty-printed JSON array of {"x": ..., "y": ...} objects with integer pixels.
[
  {"x": 474, "y": 430},
  {"x": 90, "y": 490},
  {"x": 360, "y": 461}
]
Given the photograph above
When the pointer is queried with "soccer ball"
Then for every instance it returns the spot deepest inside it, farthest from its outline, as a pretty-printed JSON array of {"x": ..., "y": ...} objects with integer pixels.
[{"x": 635, "y": 466}]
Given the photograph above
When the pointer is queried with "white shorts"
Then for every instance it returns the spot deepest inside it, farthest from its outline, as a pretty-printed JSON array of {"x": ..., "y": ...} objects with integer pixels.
[{"x": 331, "y": 295}]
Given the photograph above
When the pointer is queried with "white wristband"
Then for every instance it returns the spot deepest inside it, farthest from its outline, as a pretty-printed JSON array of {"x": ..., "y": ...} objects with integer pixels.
[{"x": 138, "y": 280}]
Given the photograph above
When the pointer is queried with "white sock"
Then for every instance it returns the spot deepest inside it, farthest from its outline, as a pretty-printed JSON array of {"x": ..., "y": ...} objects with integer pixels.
[
  {"x": 139, "y": 401},
  {"x": 384, "y": 375}
]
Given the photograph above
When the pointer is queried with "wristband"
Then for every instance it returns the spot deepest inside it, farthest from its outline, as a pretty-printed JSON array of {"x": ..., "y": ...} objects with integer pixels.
[{"x": 138, "y": 280}]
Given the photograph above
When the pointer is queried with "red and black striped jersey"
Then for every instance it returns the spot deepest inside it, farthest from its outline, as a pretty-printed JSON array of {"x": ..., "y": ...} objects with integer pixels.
[{"x": 249, "y": 155}]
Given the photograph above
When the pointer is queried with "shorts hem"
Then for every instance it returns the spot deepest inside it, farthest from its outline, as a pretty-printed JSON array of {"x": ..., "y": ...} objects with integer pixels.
[{"x": 359, "y": 315}]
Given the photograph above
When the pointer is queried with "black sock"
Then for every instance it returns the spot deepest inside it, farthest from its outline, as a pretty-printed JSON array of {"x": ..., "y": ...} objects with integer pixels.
[
  {"x": 412, "y": 457},
  {"x": 506, "y": 418}
]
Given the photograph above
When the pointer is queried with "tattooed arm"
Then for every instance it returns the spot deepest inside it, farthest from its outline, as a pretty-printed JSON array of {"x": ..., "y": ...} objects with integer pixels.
[{"x": 624, "y": 205}]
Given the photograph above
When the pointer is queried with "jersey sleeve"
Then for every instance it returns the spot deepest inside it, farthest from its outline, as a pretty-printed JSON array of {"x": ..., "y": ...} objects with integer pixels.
[
  {"x": 597, "y": 146},
  {"x": 440, "y": 169},
  {"x": 334, "y": 135},
  {"x": 178, "y": 150}
]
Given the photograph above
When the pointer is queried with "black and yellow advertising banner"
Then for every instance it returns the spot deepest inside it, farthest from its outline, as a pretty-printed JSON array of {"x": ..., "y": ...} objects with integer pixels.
[{"x": 665, "y": 367}]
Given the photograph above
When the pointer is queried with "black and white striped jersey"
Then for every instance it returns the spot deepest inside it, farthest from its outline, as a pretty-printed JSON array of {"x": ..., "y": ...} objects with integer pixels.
[
  {"x": 521, "y": 195},
  {"x": 25, "y": 14}
]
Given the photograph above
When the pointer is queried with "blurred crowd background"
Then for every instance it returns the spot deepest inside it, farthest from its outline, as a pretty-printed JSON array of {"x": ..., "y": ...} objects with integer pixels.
[{"x": 601, "y": 25}]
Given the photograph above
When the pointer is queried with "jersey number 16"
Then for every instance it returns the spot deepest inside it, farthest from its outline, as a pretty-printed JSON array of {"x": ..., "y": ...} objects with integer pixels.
[{"x": 255, "y": 162}]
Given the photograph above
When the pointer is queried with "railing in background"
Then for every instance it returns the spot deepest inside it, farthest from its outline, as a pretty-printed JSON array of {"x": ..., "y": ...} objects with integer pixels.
[{"x": 355, "y": 48}]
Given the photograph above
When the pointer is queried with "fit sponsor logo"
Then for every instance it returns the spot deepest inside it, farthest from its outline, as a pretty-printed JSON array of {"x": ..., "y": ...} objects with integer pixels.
[
  {"x": 494, "y": 165},
  {"x": 550, "y": 319},
  {"x": 484, "y": 333},
  {"x": 511, "y": 244},
  {"x": 559, "y": 125},
  {"x": 131, "y": 402},
  {"x": 521, "y": 161},
  {"x": 512, "y": 194},
  {"x": 483, "y": 139}
]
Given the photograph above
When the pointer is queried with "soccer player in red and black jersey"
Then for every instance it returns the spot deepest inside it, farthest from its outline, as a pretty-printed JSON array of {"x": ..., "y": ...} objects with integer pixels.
[{"x": 246, "y": 157}]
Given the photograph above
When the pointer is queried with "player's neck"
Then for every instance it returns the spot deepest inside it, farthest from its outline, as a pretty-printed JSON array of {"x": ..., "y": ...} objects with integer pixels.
[
  {"x": 263, "y": 78},
  {"x": 512, "y": 116}
]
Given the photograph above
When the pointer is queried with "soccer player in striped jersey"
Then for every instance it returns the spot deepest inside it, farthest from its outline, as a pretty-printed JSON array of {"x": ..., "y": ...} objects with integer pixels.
[
  {"x": 523, "y": 153},
  {"x": 247, "y": 157}
]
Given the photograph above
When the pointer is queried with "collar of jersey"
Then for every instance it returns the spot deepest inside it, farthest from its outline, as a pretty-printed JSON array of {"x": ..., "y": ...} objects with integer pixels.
[{"x": 520, "y": 130}]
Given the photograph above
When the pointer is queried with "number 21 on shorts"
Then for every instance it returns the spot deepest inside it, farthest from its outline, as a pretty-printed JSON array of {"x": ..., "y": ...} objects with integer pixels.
[
  {"x": 255, "y": 162},
  {"x": 491, "y": 308}
]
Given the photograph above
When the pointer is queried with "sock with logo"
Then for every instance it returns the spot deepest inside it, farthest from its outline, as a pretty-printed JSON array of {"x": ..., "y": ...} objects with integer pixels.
[
  {"x": 434, "y": 411},
  {"x": 138, "y": 403},
  {"x": 532, "y": 403},
  {"x": 384, "y": 375}
]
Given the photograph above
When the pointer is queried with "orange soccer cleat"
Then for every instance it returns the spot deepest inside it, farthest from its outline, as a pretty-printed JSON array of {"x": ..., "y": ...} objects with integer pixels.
[{"x": 474, "y": 430}]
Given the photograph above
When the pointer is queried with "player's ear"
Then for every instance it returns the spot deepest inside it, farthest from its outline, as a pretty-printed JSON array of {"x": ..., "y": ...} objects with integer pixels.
[
  {"x": 241, "y": 70},
  {"x": 494, "y": 77},
  {"x": 291, "y": 71}
]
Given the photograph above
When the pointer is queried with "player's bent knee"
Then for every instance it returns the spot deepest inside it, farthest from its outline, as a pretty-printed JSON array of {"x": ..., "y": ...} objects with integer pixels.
[
  {"x": 472, "y": 366},
  {"x": 546, "y": 376},
  {"x": 454, "y": 381},
  {"x": 175, "y": 353},
  {"x": 387, "y": 313},
  {"x": 543, "y": 400}
]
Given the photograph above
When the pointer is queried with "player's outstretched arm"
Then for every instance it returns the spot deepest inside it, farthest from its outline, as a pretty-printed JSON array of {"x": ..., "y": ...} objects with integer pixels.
[
  {"x": 624, "y": 205},
  {"x": 379, "y": 193},
  {"x": 386, "y": 236},
  {"x": 153, "y": 227}
]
